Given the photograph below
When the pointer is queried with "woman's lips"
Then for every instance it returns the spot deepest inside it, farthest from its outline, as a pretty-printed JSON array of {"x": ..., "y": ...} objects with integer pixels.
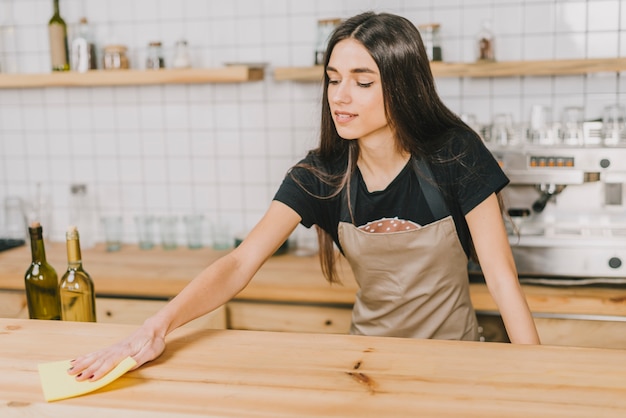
[{"x": 344, "y": 117}]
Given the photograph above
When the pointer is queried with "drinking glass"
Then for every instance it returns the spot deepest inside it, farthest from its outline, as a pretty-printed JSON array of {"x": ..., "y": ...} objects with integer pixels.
[
  {"x": 613, "y": 125},
  {"x": 541, "y": 132},
  {"x": 572, "y": 126},
  {"x": 14, "y": 219},
  {"x": 145, "y": 231},
  {"x": 168, "y": 226},
  {"x": 113, "y": 231},
  {"x": 501, "y": 133},
  {"x": 193, "y": 229}
]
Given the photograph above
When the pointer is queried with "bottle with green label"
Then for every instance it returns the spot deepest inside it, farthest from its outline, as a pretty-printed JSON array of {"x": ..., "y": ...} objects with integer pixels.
[
  {"x": 41, "y": 281},
  {"x": 76, "y": 289},
  {"x": 57, "y": 34}
]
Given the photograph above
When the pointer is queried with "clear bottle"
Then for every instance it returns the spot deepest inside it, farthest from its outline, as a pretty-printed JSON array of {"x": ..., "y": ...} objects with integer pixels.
[
  {"x": 8, "y": 42},
  {"x": 76, "y": 290},
  {"x": 485, "y": 43},
  {"x": 155, "y": 60},
  {"x": 83, "y": 213},
  {"x": 57, "y": 33},
  {"x": 83, "y": 52},
  {"x": 41, "y": 280}
]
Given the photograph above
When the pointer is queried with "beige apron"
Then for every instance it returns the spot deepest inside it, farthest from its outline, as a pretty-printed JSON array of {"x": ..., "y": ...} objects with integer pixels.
[{"x": 412, "y": 283}]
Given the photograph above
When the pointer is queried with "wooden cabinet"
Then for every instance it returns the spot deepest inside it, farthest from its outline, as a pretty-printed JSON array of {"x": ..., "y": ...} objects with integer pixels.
[
  {"x": 291, "y": 317},
  {"x": 112, "y": 310},
  {"x": 601, "y": 332},
  {"x": 13, "y": 304},
  {"x": 290, "y": 294},
  {"x": 136, "y": 311}
]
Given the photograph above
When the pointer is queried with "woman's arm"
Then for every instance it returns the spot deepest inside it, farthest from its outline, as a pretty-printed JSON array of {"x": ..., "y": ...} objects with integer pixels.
[
  {"x": 213, "y": 287},
  {"x": 497, "y": 264}
]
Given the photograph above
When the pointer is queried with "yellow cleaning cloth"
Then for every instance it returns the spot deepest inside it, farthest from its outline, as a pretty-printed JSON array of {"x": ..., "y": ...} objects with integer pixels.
[{"x": 58, "y": 384}]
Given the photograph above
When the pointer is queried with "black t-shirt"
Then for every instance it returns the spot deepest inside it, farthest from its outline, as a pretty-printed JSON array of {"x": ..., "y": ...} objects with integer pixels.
[{"x": 465, "y": 171}]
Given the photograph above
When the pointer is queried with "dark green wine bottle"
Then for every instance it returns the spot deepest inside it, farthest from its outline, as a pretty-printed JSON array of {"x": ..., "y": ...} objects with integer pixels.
[
  {"x": 76, "y": 290},
  {"x": 57, "y": 32},
  {"x": 41, "y": 281}
]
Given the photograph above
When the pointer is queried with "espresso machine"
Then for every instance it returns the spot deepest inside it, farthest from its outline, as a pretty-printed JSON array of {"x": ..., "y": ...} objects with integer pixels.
[{"x": 566, "y": 209}]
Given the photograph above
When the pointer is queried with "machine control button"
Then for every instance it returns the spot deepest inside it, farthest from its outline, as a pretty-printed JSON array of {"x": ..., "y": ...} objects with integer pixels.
[
  {"x": 615, "y": 262},
  {"x": 605, "y": 163}
]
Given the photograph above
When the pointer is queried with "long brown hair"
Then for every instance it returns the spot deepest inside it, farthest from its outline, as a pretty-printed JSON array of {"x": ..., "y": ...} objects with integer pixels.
[{"x": 414, "y": 111}]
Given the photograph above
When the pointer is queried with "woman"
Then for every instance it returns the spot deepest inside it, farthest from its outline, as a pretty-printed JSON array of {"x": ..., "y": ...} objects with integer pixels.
[{"x": 399, "y": 184}]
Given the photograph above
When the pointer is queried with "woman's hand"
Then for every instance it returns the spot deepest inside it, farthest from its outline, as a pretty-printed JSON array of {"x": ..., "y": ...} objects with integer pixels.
[
  {"x": 143, "y": 345},
  {"x": 222, "y": 280}
]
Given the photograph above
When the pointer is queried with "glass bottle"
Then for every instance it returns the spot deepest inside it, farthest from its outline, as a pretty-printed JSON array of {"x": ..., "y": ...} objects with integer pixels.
[
  {"x": 155, "y": 56},
  {"x": 41, "y": 280},
  {"x": 8, "y": 42},
  {"x": 82, "y": 213},
  {"x": 57, "y": 33},
  {"x": 76, "y": 290},
  {"x": 485, "y": 42},
  {"x": 83, "y": 51}
]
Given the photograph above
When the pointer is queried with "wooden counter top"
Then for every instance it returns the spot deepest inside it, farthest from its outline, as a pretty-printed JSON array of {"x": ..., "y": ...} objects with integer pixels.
[
  {"x": 162, "y": 274},
  {"x": 227, "y": 373}
]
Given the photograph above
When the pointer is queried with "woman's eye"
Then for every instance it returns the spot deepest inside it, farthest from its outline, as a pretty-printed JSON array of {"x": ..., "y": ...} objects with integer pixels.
[
  {"x": 331, "y": 81},
  {"x": 365, "y": 84}
]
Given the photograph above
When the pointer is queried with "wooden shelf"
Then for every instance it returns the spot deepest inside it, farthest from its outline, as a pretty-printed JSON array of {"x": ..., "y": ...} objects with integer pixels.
[
  {"x": 227, "y": 74},
  {"x": 484, "y": 69}
]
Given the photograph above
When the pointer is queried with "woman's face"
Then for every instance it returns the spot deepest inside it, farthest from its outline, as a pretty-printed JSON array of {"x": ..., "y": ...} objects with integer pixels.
[{"x": 355, "y": 93}]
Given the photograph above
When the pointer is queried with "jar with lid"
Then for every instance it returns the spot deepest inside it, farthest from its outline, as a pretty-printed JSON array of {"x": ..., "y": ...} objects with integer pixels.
[
  {"x": 181, "y": 55},
  {"x": 325, "y": 28},
  {"x": 432, "y": 41},
  {"x": 154, "y": 59},
  {"x": 115, "y": 58}
]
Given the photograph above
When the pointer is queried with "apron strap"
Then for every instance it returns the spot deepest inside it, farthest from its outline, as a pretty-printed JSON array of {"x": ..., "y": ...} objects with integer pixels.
[
  {"x": 429, "y": 187},
  {"x": 345, "y": 212}
]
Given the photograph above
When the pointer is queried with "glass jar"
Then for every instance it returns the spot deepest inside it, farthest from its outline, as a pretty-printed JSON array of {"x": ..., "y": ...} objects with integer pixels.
[
  {"x": 614, "y": 125},
  {"x": 115, "y": 57},
  {"x": 181, "y": 55},
  {"x": 485, "y": 43},
  {"x": 325, "y": 28},
  {"x": 154, "y": 59},
  {"x": 432, "y": 42}
]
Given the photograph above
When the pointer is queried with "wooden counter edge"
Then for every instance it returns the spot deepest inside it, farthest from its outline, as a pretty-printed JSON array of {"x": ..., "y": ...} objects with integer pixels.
[{"x": 273, "y": 283}]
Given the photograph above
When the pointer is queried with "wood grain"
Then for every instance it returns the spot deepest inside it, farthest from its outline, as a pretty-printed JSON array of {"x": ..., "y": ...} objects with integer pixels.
[
  {"x": 264, "y": 374},
  {"x": 230, "y": 74},
  {"x": 483, "y": 69}
]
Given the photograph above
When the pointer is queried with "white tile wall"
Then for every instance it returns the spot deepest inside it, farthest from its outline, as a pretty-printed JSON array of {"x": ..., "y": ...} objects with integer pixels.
[{"x": 222, "y": 150}]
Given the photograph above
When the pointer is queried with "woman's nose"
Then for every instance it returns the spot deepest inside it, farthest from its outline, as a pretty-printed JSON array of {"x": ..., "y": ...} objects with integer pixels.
[{"x": 341, "y": 93}]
